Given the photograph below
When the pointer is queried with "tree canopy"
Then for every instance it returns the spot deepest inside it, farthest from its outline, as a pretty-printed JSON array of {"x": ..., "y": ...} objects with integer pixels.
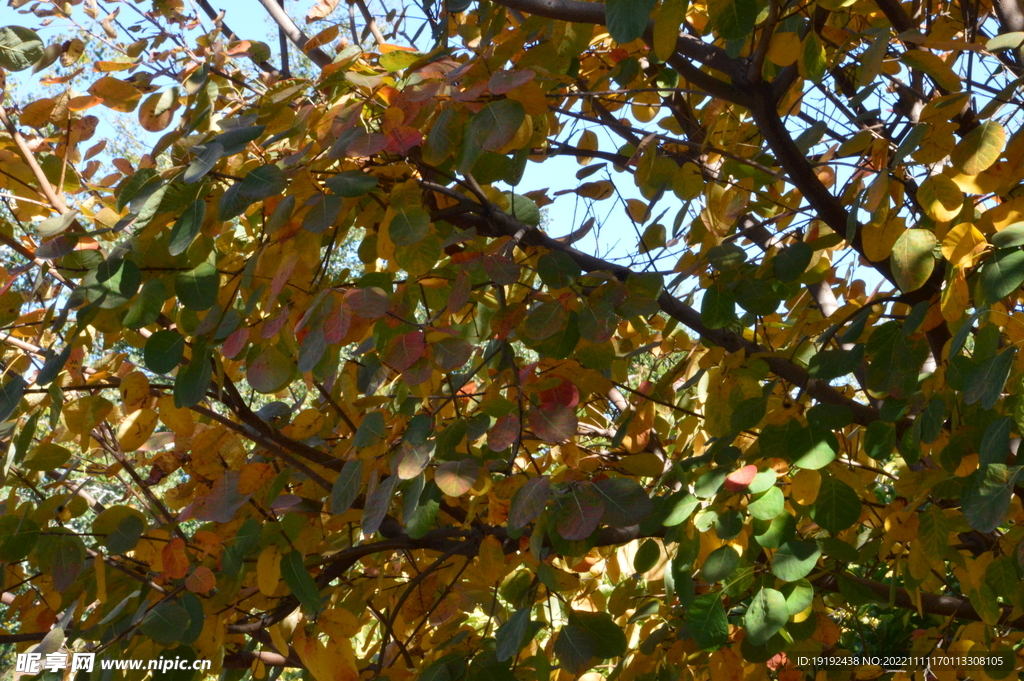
[{"x": 316, "y": 383}]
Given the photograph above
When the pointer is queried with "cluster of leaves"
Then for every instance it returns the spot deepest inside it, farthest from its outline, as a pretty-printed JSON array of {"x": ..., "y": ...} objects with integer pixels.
[{"x": 484, "y": 450}]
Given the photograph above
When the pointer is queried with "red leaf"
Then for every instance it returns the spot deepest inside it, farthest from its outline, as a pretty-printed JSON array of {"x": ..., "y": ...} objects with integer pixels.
[
  {"x": 737, "y": 481},
  {"x": 370, "y": 303},
  {"x": 402, "y": 139},
  {"x": 565, "y": 394},
  {"x": 405, "y": 350},
  {"x": 235, "y": 342},
  {"x": 581, "y": 512},
  {"x": 504, "y": 433},
  {"x": 555, "y": 423},
  {"x": 336, "y": 324}
]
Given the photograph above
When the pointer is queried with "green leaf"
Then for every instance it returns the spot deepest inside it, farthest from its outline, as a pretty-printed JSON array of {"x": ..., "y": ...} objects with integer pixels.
[
  {"x": 399, "y": 60},
  {"x": 995, "y": 444},
  {"x": 1008, "y": 237},
  {"x": 791, "y": 262},
  {"x": 55, "y": 225},
  {"x": 733, "y": 19},
  {"x": 1006, "y": 41},
  {"x": 812, "y": 447},
  {"x": 756, "y": 296},
  {"x": 608, "y": 638},
  {"x": 300, "y": 583},
  {"x": 913, "y": 259},
  {"x": 795, "y": 559},
  {"x": 20, "y": 48},
  {"x": 351, "y": 183},
  {"x": 206, "y": 158},
  {"x": 235, "y": 140},
  {"x": 985, "y": 383},
  {"x": 627, "y": 19},
  {"x": 371, "y": 430},
  {"x": 767, "y": 504},
  {"x": 772, "y": 535},
  {"x": 346, "y": 486},
  {"x": 322, "y": 214},
  {"x": 163, "y": 351},
  {"x": 193, "y": 379},
  {"x": 646, "y": 557},
  {"x": 510, "y": 637},
  {"x": 979, "y": 149},
  {"x": 146, "y": 308},
  {"x": 799, "y": 596},
  {"x": 46, "y": 456},
  {"x": 10, "y": 396},
  {"x": 625, "y": 502},
  {"x": 837, "y": 506},
  {"x": 409, "y": 226},
  {"x": 529, "y": 502},
  {"x": 720, "y": 563},
  {"x": 718, "y": 307},
  {"x": 166, "y": 622},
  {"x": 766, "y": 615},
  {"x": 197, "y": 289},
  {"x": 263, "y": 182},
  {"x": 707, "y": 621},
  {"x": 497, "y": 123},
  {"x": 113, "y": 283},
  {"x": 574, "y": 648},
  {"x": 377, "y": 503},
  {"x": 987, "y": 495},
  {"x": 18, "y": 536},
  {"x": 524, "y": 209}
]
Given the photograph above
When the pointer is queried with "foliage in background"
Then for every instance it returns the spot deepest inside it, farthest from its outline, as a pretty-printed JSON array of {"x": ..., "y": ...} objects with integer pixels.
[{"x": 306, "y": 386}]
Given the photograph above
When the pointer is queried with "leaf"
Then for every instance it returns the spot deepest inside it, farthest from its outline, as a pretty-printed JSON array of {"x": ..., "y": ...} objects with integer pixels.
[
  {"x": 794, "y": 560},
  {"x": 510, "y": 636},
  {"x": 979, "y": 149},
  {"x": 933, "y": 65},
  {"x": 193, "y": 380},
  {"x": 1006, "y": 41},
  {"x": 263, "y": 182},
  {"x": 351, "y": 183},
  {"x": 940, "y": 197},
  {"x": 707, "y": 621},
  {"x": 18, "y": 536},
  {"x": 116, "y": 94},
  {"x": 987, "y": 495},
  {"x": 791, "y": 262},
  {"x": 164, "y": 351},
  {"x": 166, "y": 622},
  {"x": 322, "y": 214},
  {"x": 270, "y": 371},
  {"x": 46, "y": 456},
  {"x": 55, "y": 225},
  {"x": 581, "y": 511},
  {"x": 10, "y": 396},
  {"x": 346, "y": 486},
  {"x": 556, "y": 423},
  {"x": 767, "y": 504},
  {"x": 197, "y": 289},
  {"x": 412, "y": 459},
  {"x": 986, "y": 381},
  {"x": 720, "y": 564},
  {"x": 913, "y": 259},
  {"x": 529, "y": 502},
  {"x": 575, "y": 648},
  {"x": 766, "y": 615},
  {"x": 666, "y": 28},
  {"x": 300, "y": 583},
  {"x": 455, "y": 478},
  {"x": 497, "y": 123},
  {"x": 995, "y": 444},
  {"x": 147, "y": 306},
  {"x": 627, "y": 19},
  {"x": 377, "y": 503},
  {"x": 837, "y": 506},
  {"x": 1002, "y": 274},
  {"x": 201, "y": 581},
  {"x": 207, "y": 156},
  {"x": 20, "y": 48},
  {"x": 733, "y": 19},
  {"x": 625, "y": 502}
]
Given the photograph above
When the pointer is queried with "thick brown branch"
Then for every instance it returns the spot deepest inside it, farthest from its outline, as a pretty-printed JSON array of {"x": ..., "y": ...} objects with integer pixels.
[{"x": 294, "y": 33}]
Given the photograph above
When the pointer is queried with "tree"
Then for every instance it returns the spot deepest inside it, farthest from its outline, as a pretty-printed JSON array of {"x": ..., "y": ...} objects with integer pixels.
[{"x": 308, "y": 386}]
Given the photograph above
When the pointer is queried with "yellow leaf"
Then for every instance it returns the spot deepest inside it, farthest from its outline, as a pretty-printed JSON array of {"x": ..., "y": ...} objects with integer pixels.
[
  {"x": 339, "y": 624},
  {"x": 933, "y": 65},
  {"x": 86, "y": 413},
  {"x": 645, "y": 106},
  {"x": 637, "y": 210},
  {"x": 588, "y": 141},
  {"x": 688, "y": 182},
  {"x": 100, "y": 570},
  {"x": 598, "y": 191},
  {"x": 979, "y": 148},
  {"x": 955, "y": 297},
  {"x": 666, "y": 27},
  {"x": 879, "y": 239},
  {"x": 134, "y": 392},
  {"x": 804, "y": 488},
  {"x": 178, "y": 420},
  {"x": 136, "y": 429},
  {"x": 784, "y": 48},
  {"x": 306, "y": 424},
  {"x": 253, "y": 476},
  {"x": 116, "y": 94},
  {"x": 725, "y": 665},
  {"x": 268, "y": 570},
  {"x": 959, "y": 244},
  {"x": 940, "y": 198}
]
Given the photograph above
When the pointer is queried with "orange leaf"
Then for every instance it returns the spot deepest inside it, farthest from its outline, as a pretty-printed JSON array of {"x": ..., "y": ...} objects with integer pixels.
[
  {"x": 201, "y": 581},
  {"x": 175, "y": 559},
  {"x": 737, "y": 481}
]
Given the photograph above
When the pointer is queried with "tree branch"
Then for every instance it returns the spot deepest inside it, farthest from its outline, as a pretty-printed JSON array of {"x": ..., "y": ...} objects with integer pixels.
[{"x": 294, "y": 33}]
